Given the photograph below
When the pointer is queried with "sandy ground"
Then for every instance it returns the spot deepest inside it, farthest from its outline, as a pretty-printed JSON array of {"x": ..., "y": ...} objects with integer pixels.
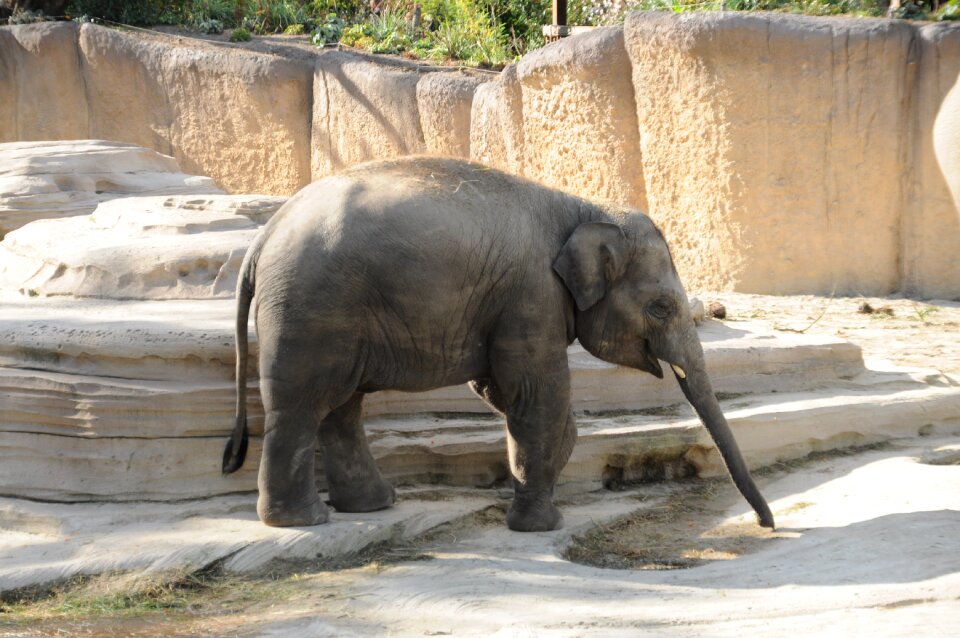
[
  {"x": 916, "y": 333},
  {"x": 867, "y": 543}
]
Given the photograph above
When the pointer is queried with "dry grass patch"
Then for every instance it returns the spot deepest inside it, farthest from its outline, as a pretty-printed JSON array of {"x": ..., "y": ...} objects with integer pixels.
[{"x": 679, "y": 531}]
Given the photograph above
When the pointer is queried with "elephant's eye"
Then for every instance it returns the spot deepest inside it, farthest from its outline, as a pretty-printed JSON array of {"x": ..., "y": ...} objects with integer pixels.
[{"x": 661, "y": 308}]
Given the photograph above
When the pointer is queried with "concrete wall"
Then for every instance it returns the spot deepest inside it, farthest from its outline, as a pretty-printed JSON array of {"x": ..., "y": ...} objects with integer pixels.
[{"x": 779, "y": 154}]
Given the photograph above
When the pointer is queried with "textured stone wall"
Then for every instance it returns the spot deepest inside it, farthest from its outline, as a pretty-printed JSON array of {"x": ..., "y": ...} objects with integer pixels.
[
  {"x": 363, "y": 110},
  {"x": 42, "y": 95},
  {"x": 779, "y": 154},
  {"x": 241, "y": 117},
  {"x": 579, "y": 121},
  {"x": 783, "y": 141}
]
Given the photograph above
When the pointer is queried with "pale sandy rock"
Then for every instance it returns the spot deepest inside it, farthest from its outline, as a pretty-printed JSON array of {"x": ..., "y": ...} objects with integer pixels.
[
  {"x": 87, "y": 538},
  {"x": 931, "y": 219},
  {"x": 128, "y": 96},
  {"x": 153, "y": 382},
  {"x": 44, "y": 95},
  {"x": 241, "y": 117},
  {"x": 187, "y": 247},
  {"x": 512, "y": 121},
  {"x": 69, "y": 469},
  {"x": 486, "y": 134},
  {"x": 773, "y": 146},
  {"x": 697, "y": 310},
  {"x": 444, "y": 101},
  {"x": 41, "y": 180},
  {"x": 580, "y": 119},
  {"x": 496, "y": 125},
  {"x": 867, "y": 545},
  {"x": 9, "y": 90},
  {"x": 362, "y": 110}
]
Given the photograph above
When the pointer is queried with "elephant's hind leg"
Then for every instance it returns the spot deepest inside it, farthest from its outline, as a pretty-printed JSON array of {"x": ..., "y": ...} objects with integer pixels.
[
  {"x": 288, "y": 493},
  {"x": 355, "y": 482}
]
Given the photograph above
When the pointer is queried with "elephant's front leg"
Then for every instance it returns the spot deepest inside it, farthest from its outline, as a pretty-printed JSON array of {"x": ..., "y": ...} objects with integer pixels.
[
  {"x": 353, "y": 477},
  {"x": 534, "y": 393}
]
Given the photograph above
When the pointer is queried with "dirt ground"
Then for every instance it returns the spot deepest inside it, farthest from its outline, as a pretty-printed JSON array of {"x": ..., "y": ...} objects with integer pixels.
[{"x": 866, "y": 545}]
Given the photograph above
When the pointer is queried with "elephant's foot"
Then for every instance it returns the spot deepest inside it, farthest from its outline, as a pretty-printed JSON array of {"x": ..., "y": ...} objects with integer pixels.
[
  {"x": 367, "y": 495},
  {"x": 533, "y": 515},
  {"x": 278, "y": 514}
]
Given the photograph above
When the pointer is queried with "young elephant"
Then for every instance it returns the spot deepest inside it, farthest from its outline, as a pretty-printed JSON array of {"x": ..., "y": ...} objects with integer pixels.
[{"x": 420, "y": 273}]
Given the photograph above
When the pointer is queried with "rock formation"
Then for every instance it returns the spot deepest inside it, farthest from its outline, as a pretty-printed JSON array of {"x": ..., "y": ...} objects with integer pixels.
[
  {"x": 138, "y": 248},
  {"x": 44, "y": 180}
]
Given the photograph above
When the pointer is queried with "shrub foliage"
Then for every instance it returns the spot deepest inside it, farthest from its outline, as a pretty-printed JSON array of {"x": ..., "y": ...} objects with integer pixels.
[{"x": 475, "y": 32}]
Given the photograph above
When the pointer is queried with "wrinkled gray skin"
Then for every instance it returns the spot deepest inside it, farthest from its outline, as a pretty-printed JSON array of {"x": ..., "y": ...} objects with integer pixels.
[{"x": 421, "y": 273}]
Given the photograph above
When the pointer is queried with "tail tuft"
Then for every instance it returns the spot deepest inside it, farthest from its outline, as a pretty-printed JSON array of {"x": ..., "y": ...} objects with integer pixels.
[{"x": 233, "y": 458}]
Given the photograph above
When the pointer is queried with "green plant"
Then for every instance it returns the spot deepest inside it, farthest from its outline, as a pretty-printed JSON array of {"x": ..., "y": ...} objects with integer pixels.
[
  {"x": 205, "y": 15},
  {"x": 240, "y": 35},
  {"x": 521, "y": 21},
  {"x": 136, "y": 12},
  {"x": 385, "y": 33},
  {"x": 462, "y": 30},
  {"x": 25, "y": 16},
  {"x": 210, "y": 26},
  {"x": 950, "y": 11},
  {"x": 328, "y": 31},
  {"x": 275, "y": 16},
  {"x": 348, "y": 10},
  {"x": 294, "y": 29}
]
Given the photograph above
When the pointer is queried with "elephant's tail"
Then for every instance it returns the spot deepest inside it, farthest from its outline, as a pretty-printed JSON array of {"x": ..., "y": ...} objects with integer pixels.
[{"x": 236, "y": 449}]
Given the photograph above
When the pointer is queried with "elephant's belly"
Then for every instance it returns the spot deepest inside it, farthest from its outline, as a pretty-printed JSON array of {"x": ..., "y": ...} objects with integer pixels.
[{"x": 421, "y": 369}]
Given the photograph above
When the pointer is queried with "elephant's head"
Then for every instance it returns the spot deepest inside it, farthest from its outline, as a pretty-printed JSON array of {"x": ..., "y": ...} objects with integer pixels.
[{"x": 631, "y": 309}]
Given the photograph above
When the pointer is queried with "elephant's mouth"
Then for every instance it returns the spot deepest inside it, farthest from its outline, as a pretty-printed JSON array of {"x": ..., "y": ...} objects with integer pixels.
[{"x": 649, "y": 361}]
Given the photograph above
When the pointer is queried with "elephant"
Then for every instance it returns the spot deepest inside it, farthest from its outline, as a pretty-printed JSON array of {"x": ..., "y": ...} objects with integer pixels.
[{"x": 419, "y": 273}]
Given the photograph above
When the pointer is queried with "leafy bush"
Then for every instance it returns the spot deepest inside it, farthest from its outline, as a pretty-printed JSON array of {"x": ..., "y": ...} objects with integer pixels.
[
  {"x": 240, "y": 35},
  {"x": 384, "y": 33},
  {"x": 522, "y": 22},
  {"x": 448, "y": 29},
  {"x": 462, "y": 30},
  {"x": 328, "y": 31},
  {"x": 950, "y": 11},
  {"x": 210, "y": 26},
  {"x": 204, "y": 14},
  {"x": 136, "y": 12},
  {"x": 276, "y": 16},
  {"x": 25, "y": 16}
]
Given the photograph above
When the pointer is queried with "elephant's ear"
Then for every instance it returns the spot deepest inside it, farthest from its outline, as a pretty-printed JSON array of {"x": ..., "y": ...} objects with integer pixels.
[{"x": 594, "y": 257}]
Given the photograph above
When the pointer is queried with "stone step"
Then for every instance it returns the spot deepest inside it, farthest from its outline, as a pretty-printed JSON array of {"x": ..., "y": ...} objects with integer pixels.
[
  {"x": 133, "y": 400},
  {"x": 616, "y": 447},
  {"x": 110, "y": 368},
  {"x": 468, "y": 450},
  {"x": 52, "y": 542}
]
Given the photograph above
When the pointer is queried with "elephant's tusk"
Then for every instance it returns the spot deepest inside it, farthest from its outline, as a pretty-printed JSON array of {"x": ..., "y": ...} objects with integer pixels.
[{"x": 679, "y": 371}]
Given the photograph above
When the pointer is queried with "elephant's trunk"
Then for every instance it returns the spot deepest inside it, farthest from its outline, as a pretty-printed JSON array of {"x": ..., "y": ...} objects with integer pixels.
[{"x": 699, "y": 392}]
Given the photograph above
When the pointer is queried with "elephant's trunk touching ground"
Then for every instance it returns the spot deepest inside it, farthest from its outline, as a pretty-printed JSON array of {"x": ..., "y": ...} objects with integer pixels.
[{"x": 697, "y": 388}]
